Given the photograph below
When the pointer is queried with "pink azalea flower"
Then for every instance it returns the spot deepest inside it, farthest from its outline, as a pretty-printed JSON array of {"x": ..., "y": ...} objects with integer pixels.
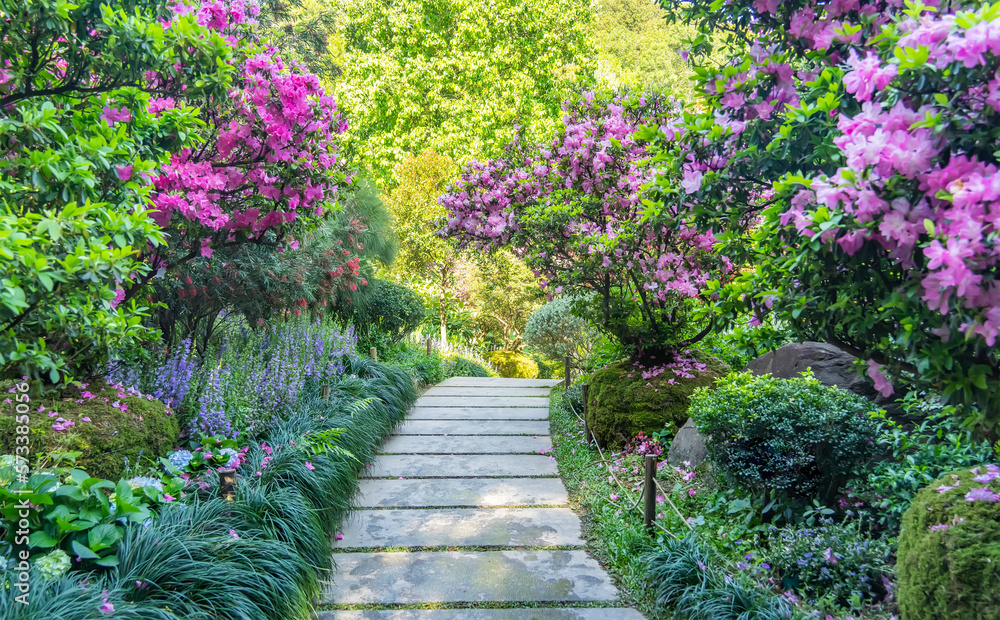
[
  {"x": 168, "y": 498},
  {"x": 124, "y": 172},
  {"x": 310, "y": 466},
  {"x": 982, "y": 494},
  {"x": 113, "y": 115},
  {"x": 85, "y": 419}
]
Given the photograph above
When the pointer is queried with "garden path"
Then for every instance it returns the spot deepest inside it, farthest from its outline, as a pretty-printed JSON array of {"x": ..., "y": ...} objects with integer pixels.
[{"x": 463, "y": 507}]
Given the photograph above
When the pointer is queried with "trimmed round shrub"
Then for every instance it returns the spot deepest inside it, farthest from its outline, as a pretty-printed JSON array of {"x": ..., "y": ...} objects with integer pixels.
[
  {"x": 91, "y": 420},
  {"x": 514, "y": 365},
  {"x": 390, "y": 308},
  {"x": 794, "y": 436},
  {"x": 555, "y": 332},
  {"x": 948, "y": 563},
  {"x": 626, "y": 400}
]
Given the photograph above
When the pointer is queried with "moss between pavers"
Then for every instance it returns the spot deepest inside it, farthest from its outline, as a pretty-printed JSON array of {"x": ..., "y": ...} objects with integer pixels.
[{"x": 109, "y": 437}]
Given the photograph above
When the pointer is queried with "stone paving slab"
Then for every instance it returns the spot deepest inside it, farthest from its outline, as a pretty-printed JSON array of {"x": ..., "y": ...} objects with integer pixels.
[
  {"x": 459, "y": 576},
  {"x": 498, "y": 382},
  {"x": 483, "y": 401},
  {"x": 478, "y": 413},
  {"x": 462, "y": 492},
  {"x": 473, "y": 427},
  {"x": 459, "y": 466},
  {"x": 606, "y": 613},
  {"x": 468, "y": 444},
  {"x": 482, "y": 391},
  {"x": 462, "y": 527}
]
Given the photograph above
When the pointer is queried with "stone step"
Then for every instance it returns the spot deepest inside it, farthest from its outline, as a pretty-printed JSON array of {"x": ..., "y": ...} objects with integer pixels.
[
  {"x": 498, "y": 382},
  {"x": 473, "y": 427},
  {"x": 460, "y": 576},
  {"x": 468, "y": 444},
  {"x": 462, "y": 492},
  {"x": 592, "y": 613},
  {"x": 462, "y": 527},
  {"x": 483, "y": 401},
  {"x": 483, "y": 391},
  {"x": 460, "y": 466},
  {"x": 478, "y": 413}
]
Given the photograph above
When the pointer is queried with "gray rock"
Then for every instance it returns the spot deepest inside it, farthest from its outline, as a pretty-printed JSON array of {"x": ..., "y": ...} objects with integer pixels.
[
  {"x": 688, "y": 446},
  {"x": 830, "y": 365}
]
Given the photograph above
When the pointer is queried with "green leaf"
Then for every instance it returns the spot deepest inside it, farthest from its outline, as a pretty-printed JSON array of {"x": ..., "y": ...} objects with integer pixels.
[
  {"x": 83, "y": 552},
  {"x": 42, "y": 540}
]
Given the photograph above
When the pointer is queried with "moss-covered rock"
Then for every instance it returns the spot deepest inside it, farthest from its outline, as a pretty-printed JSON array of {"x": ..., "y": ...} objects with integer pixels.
[
  {"x": 514, "y": 365},
  {"x": 623, "y": 403},
  {"x": 103, "y": 432},
  {"x": 949, "y": 550}
]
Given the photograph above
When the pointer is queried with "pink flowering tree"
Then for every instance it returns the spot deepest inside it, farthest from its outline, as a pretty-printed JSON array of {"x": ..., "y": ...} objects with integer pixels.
[
  {"x": 851, "y": 149},
  {"x": 573, "y": 209},
  {"x": 264, "y": 170}
]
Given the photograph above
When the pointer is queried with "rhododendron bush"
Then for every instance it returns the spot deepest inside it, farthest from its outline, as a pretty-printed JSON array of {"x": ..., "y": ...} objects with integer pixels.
[
  {"x": 858, "y": 144},
  {"x": 136, "y": 137},
  {"x": 573, "y": 208}
]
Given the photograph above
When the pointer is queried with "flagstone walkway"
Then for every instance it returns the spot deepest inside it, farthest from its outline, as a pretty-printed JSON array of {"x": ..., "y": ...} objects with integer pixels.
[{"x": 464, "y": 506}]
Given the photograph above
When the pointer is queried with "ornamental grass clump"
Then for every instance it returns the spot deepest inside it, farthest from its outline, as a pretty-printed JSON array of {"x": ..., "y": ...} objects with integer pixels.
[
  {"x": 949, "y": 548},
  {"x": 786, "y": 438}
]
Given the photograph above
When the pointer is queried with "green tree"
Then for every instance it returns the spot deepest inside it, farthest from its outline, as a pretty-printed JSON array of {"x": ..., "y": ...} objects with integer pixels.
[
  {"x": 638, "y": 48},
  {"x": 458, "y": 76},
  {"x": 505, "y": 295},
  {"x": 76, "y": 141}
]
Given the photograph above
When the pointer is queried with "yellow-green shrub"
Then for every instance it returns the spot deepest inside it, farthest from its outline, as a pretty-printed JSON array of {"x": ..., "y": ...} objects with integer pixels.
[{"x": 514, "y": 365}]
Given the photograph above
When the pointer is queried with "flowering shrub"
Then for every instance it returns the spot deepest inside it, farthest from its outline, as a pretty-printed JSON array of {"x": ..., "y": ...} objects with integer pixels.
[
  {"x": 838, "y": 561},
  {"x": 249, "y": 381},
  {"x": 949, "y": 546},
  {"x": 573, "y": 208},
  {"x": 212, "y": 452},
  {"x": 858, "y": 142},
  {"x": 784, "y": 438}
]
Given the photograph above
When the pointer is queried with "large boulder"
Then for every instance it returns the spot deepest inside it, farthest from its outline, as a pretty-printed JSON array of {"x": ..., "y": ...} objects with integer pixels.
[
  {"x": 688, "y": 447},
  {"x": 830, "y": 366},
  {"x": 622, "y": 403}
]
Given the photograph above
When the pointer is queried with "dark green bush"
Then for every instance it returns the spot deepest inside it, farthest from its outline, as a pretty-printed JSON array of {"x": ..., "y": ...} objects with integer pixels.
[
  {"x": 832, "y": 560},
  {"x": 794, "y": 437},
  {"x": 545, "y": 369},
  {"x": 389, "y": 308},
  {"x": 109, "y": 437},
  {"x": 461, "y": 367},
  {"x": 949, "y": 549}
]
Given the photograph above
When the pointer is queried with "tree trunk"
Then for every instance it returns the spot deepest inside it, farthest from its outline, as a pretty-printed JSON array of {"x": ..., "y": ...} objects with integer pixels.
[{"x": 444, "y": 314}]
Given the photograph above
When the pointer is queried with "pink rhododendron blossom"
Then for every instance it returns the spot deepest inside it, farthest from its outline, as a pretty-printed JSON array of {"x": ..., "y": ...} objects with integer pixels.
[
  {"x": 982, "y": 495},
  {"x": 867, "y": 75}
]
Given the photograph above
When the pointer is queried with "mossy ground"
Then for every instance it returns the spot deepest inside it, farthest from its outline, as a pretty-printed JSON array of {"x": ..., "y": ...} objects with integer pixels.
[
  {"x": 109, "y": 437},
  {"x": 954, "y": 573},
  {"x": 623, "y": 403}
]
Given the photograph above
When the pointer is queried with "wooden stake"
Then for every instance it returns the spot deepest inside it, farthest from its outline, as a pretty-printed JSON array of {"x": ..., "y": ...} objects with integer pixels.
[
  {"x": 326, "y": 392},
  {"x": 566, "y": 380},
  {"x": 429, "y": 345},
  {"x": 373, "y": 353},
  {"x": 649, "y": 492},
  {"x": 586, "y": 408}
]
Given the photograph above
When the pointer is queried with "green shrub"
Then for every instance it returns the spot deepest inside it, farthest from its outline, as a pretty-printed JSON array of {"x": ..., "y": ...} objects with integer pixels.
[
  {"x": 389, "y": 308},
  {"x": 546, "y": 369},
  {"x": 555, "y": 332},
  {"x": 949, "y": 549},
  {"x": 795, "y": 437},
  {"x": 626, "y": 400},
  {"x": 108, "y": 437},
  {"x": 514, "y": 365},
  {"x": 916, "y": 457},
  {"x": 832, "y": 560},
  {"x": 461, "y": 367}
]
